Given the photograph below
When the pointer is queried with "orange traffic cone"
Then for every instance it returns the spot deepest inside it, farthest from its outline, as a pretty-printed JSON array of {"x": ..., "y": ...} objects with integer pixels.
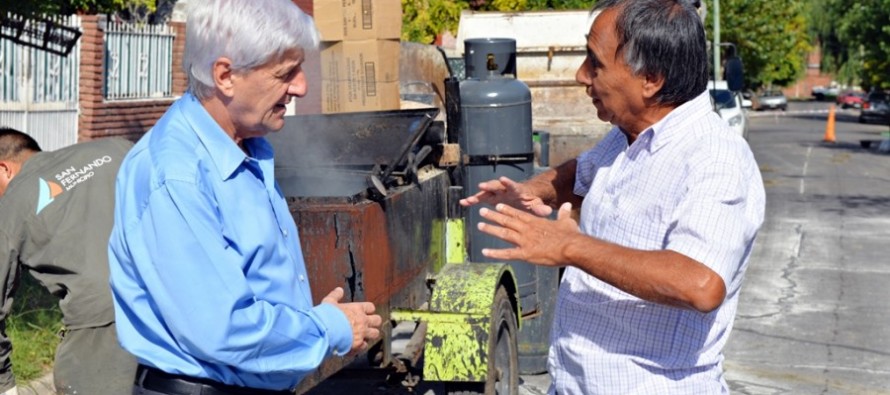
[{"x": 829, "y": 127}]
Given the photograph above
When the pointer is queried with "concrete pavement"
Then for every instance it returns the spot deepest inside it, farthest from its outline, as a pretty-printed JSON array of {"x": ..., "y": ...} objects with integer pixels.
[{"x": 41, "y": 386}]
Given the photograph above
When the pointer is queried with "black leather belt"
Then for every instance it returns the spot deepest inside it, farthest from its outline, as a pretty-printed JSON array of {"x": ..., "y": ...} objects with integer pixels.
[{"x": 159, "y": 381}]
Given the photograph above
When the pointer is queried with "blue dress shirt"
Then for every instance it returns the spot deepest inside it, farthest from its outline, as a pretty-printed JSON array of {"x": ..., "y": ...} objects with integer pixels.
[{"x": 206, "y": 268}]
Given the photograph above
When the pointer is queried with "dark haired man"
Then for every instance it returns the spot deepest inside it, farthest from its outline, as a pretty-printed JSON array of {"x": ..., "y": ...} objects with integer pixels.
[
  {"x": 671, "y": 201},
  {"x": 55, "y": 217}
]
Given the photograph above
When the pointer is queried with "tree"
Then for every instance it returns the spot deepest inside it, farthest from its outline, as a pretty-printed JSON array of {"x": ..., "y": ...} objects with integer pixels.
[
  {"x": 141, "y": 10},
  {"x": 863, "y": 29},
  {"x": 855, "y": 40},
  {"x": 422, "y": 20},
  {"x": 770, "y": 36},
  {"x": 66, "y": 7}
]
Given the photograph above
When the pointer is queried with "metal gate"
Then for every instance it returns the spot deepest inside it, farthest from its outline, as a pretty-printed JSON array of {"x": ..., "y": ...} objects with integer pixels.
[{"x": 39, "y": 91}]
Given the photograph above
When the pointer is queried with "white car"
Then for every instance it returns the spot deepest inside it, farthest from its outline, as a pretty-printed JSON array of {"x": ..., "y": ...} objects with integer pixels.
[{"x": 730, "y": 106}]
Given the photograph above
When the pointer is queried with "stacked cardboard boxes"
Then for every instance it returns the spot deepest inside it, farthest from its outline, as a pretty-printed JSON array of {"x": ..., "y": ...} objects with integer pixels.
[{"x": 358, "y": 67}]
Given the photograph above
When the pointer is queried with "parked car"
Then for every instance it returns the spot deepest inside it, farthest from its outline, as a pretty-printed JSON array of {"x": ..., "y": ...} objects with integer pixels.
[
  {"x": 770, "y": 100},
  {"x": 876, "y": 108},
  {"x": 850, "y": 99},
  {"x": 730, "y": 107},
  {"x": 821, "y": 92}
]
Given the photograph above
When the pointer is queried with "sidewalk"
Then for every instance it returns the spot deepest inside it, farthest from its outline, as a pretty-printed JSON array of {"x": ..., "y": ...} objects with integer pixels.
[{"x": 41, "y": 386}]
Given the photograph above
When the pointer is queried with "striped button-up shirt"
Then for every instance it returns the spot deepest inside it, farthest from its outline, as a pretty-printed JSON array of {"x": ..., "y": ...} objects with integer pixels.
[{"x": 687, "y": 184}]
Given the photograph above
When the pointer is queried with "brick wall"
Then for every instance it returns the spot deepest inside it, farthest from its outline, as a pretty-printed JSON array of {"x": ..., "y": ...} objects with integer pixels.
[
  {"x": 803, "y": 88},
  {"x": 124, "y": 118}
]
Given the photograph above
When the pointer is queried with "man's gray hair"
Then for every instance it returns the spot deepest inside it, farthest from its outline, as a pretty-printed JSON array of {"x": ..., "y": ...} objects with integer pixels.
[
  {"x": 663, "y": 38},
  {"x": 248, "y": 32}
]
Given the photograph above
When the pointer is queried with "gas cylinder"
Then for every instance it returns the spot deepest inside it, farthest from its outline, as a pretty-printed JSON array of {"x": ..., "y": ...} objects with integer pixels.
[
  {"x": 495, "y": 137},
  {"x": 496, "y": 124},
  {"x": 496, "y": 127}
]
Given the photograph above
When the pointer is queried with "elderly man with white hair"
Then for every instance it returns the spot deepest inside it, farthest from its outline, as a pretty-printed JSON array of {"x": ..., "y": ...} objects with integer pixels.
[{"x": 210, "y": 288}]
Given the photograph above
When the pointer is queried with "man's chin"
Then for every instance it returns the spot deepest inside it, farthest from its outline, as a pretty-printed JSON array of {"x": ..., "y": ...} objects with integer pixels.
[
  {"x": 278, "y": 127},
  {"x": 274, "y": 125},
  {"x": 602, "y": 114}
]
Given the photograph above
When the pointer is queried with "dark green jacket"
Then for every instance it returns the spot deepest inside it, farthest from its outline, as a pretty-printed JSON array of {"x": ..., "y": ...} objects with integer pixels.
[{"x": 55, "y": 219}]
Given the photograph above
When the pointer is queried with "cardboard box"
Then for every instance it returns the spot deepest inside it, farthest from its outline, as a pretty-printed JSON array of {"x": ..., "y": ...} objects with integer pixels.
[
  {"x": 339, "y": 20},
  {"x": 351, "y": 76}
]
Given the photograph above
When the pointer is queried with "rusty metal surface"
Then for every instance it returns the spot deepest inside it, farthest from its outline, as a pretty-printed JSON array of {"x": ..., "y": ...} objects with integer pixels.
[
  {"x": 372, "y": 249},
  {"x": 382, "y": 252}
]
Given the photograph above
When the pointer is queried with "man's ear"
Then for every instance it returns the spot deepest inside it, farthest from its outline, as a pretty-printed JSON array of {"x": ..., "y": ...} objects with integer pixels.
[
  {"x": 652, "y": 85},
  {"x": 8, "y": 170},
  {"x": 223, "y": 76}
]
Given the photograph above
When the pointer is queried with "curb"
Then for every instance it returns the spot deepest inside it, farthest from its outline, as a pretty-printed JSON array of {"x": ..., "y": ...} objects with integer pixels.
[
  {"x": 41, "y": 386},
  {"x": 776, "y": 113}
]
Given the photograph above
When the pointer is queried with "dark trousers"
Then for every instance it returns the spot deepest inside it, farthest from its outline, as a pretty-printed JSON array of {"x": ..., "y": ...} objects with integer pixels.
[
  {"x": 137, "y": 390},
  {"x": 90, "y": 361},
  {"x": 151, "y": 381}
]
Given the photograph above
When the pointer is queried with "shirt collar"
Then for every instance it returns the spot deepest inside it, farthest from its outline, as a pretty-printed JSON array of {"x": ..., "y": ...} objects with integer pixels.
[
  {"x": 221, "y": 149},
  {"x": 674, "y": 123}
]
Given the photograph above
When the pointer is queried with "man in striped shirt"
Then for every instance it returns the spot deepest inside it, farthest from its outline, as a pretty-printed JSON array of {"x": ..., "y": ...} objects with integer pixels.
[{"x": 670, "y": 203}]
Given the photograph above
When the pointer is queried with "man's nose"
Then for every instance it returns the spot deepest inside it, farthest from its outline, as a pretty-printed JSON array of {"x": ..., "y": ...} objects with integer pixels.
[
  {"x": 297, "y": 86},
  {"x": 583, "y": 73}
]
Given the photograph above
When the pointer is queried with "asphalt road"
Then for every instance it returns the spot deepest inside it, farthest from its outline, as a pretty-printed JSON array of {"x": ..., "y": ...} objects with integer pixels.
[{"x": 814, "y": 314}]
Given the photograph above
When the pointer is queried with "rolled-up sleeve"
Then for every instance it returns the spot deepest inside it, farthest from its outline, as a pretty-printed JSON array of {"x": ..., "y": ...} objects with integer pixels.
[{"x": 719, "y": 214}]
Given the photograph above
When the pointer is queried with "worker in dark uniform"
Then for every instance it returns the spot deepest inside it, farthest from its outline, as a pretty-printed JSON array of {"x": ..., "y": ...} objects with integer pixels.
[{"x": 56, "y": 213}]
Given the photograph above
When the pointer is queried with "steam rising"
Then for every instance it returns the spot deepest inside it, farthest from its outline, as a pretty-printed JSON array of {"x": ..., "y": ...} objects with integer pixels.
[{"x": 332, "y": 155}]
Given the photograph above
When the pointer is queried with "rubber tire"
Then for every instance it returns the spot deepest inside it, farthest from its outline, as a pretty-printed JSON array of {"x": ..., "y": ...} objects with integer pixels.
[
  {"x": 503, "y": 351},
  {"x": 503, "y": 369}
]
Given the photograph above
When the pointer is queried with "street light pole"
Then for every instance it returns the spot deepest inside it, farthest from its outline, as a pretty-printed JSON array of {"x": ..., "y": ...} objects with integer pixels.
[{"x": 716, "y": 40}]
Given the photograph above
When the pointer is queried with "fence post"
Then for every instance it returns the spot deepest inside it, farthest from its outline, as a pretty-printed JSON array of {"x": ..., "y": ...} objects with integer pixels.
[{"x": 91, "y": 75}]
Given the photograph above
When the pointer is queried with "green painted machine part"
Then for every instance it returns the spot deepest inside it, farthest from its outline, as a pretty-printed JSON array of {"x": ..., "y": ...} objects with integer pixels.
[
  {"x": 456, "y": 246},
  {"x": 459, "y": 320}
]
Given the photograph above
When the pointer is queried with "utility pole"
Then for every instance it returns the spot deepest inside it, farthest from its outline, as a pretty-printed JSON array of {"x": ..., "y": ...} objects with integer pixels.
[{"x": 716, "y": 41}]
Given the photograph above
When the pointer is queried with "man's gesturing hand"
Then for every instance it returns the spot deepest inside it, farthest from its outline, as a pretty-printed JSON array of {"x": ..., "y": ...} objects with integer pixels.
[
  {"x": 537, "y": 240},
  {"x": 509, "y": 192},
  {"x": 365, "y": 324}
]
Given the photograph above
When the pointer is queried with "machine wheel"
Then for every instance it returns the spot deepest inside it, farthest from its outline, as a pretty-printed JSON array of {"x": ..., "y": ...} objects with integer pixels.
[
  {"x": 503, "y": 351},
  {"x": 503, "y": 367}
]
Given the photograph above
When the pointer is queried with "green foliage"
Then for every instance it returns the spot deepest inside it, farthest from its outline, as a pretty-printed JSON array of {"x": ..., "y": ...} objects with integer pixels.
[
  {"x": 825, "y": 17},
  {"x": 32, "y": 327},
  {"x": 855, "y": 40},
  {"x": 69, "y": 7},
  {"x": 771, "y": 38},
  {"x": 864, "y": 28},
  {"x": 423, "y": 20},
  {"x": 537, "y": 5}
]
